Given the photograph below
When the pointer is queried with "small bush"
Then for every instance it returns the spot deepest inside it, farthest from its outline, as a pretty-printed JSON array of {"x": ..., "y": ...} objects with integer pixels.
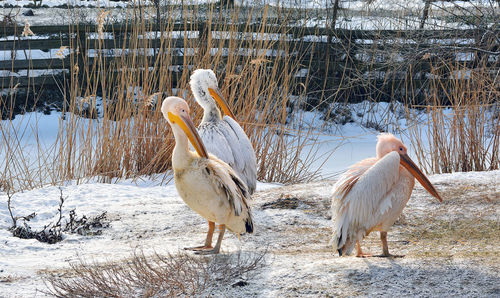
[{"x": 170, "y": 275}]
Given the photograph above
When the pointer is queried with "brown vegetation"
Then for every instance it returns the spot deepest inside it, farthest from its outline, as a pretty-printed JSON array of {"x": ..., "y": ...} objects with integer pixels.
[
  {"x": 121, "y": 82},
  {"x": 153, "y": 276}
]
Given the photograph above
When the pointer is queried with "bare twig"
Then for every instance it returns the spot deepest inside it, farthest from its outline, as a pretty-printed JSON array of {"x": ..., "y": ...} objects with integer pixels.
[
  {"x": 61, "y": 202},
  {"x": 9, "y": 199},
  {"x": 170, "y": 275}
]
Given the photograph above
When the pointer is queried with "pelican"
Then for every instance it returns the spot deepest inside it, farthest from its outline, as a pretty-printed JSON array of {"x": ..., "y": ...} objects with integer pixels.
[
  {"x": 207, "y": 185},
  {"x": 223, "y": 136},
  {"x": 371, "y": 195}
]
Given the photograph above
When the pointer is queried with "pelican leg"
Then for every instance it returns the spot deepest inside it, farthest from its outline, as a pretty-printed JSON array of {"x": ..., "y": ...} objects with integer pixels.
[
  {"x": 385, "y": 248},
  {"x": 216, "y": 249},
  {"x": 208, "y": 240},
  {"x": 360, "y": 253}
]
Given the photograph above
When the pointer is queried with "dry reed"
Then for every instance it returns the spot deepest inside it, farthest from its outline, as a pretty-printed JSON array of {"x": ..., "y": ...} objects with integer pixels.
[
  {"x": 463, "y": 126},
  {"x": 112, "y": 126}
]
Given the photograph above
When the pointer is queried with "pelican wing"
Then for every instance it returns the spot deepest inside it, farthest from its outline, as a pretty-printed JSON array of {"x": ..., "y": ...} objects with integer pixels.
[
  {"x": 245, "y": 162},
  {"x": 227, "y": 140},
  {"x": 362, "y": 195},
  {"x": 227, "y": 184},
  {"x": 214, "y": 137}
]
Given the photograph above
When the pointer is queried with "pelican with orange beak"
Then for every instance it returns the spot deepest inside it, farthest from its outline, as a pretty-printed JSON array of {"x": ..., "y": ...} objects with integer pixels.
[
  {"x": 223, "y": 136},
  {"x": 207, "y": 185},
  {"x": 371, "y": 195}
]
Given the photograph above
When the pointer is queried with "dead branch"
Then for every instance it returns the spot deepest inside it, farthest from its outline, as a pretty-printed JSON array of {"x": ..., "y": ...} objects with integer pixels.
[{"x": 169, "y": 275}]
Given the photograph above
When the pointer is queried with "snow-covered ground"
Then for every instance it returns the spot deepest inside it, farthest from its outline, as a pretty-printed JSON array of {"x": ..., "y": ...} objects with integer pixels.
[
  {"x": 379, "y": 14},
  {"x": 349, "y": 135},
  {"x": 292, "y": 223},
  {"x": 147, "y": 214},
  {"x": 317, "y": 4},
  {"x": 350, "y": 132}
]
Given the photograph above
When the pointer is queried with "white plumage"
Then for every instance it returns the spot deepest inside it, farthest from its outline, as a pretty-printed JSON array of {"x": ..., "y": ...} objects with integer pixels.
[
  {"x": 223, "y": 136},
  {"x": 371, "y": 195},
  {"x": 207, "y": 185}
]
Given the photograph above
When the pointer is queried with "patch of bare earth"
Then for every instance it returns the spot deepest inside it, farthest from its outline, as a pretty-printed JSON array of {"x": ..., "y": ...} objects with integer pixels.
[{"x": 450, "y": 248}]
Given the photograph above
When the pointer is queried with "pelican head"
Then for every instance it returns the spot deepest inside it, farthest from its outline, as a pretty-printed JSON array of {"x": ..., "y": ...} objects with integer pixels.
[
  {"x": 176, "y": 112},
  {"x": 388, "y": 143},
  {"x": 206, "y": 88}
]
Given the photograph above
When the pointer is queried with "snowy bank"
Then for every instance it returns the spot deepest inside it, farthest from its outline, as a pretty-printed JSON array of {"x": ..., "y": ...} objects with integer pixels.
[{"x": 451, "y": 248}]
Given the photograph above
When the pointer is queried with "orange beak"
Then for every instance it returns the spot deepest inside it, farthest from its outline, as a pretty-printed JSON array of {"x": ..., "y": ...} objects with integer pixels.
[
  {"x": 217, "y": 95},
  {"x": 187, "y": 126},
  {"x": 406, "y": 162}
]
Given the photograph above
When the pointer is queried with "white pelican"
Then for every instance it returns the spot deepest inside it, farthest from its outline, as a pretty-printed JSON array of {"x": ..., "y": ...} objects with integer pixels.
[
  {"x": 206, "y": 184},
  {"x": 371, "y": 195},
  {"x": 223, "y": 136}
]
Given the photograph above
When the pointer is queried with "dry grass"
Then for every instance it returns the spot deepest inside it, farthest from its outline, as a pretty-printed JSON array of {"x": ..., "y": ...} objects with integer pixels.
[
  {"x": 166, "y": 276},
  {"x": 112, "y": 126},
  {"x": 465, "y": 135}
]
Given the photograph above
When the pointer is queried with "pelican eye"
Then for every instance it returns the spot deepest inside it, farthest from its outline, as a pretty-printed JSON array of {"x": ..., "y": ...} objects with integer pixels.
[{"x": 400, "y": 148}]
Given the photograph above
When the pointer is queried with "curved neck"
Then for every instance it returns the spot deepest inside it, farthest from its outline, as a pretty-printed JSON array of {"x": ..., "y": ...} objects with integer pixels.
[
  {"x": 210, "y": 111},
  {"x": 181, "y": 155},
  {"x": 211, "y": 115}
]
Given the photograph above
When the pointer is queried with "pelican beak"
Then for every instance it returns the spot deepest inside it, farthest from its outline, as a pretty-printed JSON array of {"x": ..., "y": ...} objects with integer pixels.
[
  {"x": 406, "y": 162},
  {"x": 217, "y": 95},
  {"x": 187, "y": 126}
]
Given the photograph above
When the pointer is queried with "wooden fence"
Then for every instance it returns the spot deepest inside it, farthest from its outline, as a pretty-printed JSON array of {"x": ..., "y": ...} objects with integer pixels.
[{"x": 350, "y": 65}]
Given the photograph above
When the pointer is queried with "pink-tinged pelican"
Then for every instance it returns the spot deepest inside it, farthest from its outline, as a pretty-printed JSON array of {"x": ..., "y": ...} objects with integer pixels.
[
  {"x": 207, "y": 185},
  {"x": 371, "y": 195},
  {"x": 223, "y": 136}
]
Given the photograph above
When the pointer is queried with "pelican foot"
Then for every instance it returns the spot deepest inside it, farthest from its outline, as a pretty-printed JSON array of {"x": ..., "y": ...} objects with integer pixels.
[
  {"x": 363, "y": 255},
  {"x": 207, "y": 252},
  {"x": 199, "y": 248}
]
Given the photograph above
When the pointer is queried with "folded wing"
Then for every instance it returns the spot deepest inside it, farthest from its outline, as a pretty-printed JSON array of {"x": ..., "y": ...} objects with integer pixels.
[{"x": 361, "y": 197}]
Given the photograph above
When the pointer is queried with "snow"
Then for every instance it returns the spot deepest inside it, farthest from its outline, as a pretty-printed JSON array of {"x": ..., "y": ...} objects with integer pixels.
[
  {"x": 95, "y": 3},
  {"x": 334, "y": 145},
  {"x": 146, "y": 215},
  {"x": 386, "y": 14},
  {"x": 346, "y": 143},
  {"x": 361, "y": 5},
  {"x": 309, "y": 4},
  {"x": 143, "y": 214}
]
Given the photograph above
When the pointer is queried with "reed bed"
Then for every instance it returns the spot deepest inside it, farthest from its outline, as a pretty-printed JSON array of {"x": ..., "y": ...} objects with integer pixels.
[
  {"x": 462, "y": 131},
  {"x": 112, "y": 127}
]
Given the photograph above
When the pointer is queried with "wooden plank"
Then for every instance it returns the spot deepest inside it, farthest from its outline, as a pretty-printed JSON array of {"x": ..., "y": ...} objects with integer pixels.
[
  {"x": 343, "y": 81},
  {"x": 38, "y": 30},
  {"x": 268, "y": 28},
  {"x": 382, "y": 36},
  {"x": 303, "y": 46},
  {"x": 175, "y": 60},
  {"x": 120, "y": 28},
  {"x": 34, "y": 44},
  {"x": 45, "y": 80},
  {"x": 126, "y": 43},
  {"x": 15, "y": 65}
]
